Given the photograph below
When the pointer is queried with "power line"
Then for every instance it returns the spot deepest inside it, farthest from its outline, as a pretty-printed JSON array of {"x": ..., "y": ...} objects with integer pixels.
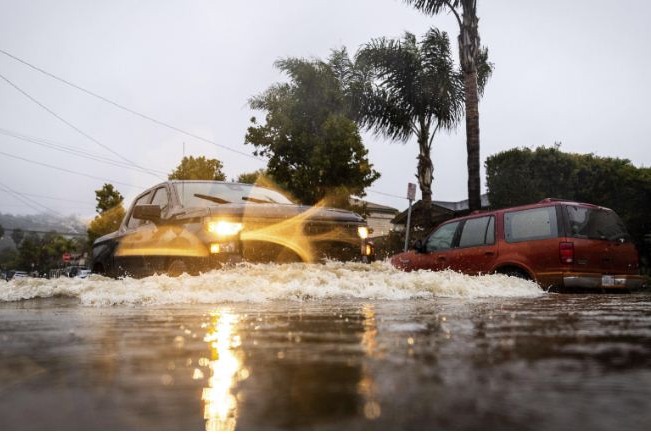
[
  {"x": 73, "y": 151},
  {"x": 387, "y": 194},
  {"x": 88, "y": 136},
  {"x": 70, "y": 171},
  {"x": 27, "y": 201},
  {"x": 52, "y": 197},
  {"x": 121, "y": 107},
  {"x": 46, "y": 232},
  {"x": 139, "y": 114}
]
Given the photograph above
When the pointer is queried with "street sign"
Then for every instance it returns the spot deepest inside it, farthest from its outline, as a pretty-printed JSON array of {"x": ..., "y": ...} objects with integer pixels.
[
  {"x": 411, "y": 191},
  {"x": 67, "y": 257}
]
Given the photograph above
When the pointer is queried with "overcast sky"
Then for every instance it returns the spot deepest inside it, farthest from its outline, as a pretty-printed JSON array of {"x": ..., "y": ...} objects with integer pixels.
[{"x": 574, "y": 72}]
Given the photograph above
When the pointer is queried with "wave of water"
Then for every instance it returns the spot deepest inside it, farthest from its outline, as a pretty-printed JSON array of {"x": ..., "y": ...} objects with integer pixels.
[{"x": 264, "y": 282}]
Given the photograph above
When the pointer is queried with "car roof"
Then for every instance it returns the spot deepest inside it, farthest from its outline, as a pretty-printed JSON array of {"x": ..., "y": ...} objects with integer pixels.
[{"x": 545, "y": 202}]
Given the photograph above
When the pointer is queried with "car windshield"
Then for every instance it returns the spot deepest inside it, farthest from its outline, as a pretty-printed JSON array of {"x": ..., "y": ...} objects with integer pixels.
[
  {"x": 595, "y": 223},
  {"x": 199, "y": 194}
]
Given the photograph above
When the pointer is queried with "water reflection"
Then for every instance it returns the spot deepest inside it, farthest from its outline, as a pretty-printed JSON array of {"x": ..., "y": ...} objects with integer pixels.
[
  {"x": 226, "y": 370},
  {"x": 366, "y": 386}
]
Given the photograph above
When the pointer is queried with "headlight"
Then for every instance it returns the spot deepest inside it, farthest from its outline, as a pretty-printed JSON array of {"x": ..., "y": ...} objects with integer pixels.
[
  {"x": 362, "y": 231},
  {"x": 224, "y": 228}
]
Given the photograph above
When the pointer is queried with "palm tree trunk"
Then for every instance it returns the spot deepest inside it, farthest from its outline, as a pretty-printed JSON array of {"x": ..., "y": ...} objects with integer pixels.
[
  {"x": 472, "y": 139},
  {"x": 425, "y": 170},
  {"x": 468, "y": 53}
]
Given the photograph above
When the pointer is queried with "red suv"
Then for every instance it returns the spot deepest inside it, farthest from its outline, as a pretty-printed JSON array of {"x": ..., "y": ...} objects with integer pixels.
[{"x": 558, "y": 243}]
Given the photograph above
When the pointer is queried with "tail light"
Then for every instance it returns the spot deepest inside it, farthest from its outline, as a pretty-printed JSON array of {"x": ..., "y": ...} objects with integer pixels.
[{"x": 566, "y": 251}]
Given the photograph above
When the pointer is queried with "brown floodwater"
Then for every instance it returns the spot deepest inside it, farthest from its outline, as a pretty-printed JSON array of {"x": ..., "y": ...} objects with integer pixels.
[{"x": 335, "y": 361}]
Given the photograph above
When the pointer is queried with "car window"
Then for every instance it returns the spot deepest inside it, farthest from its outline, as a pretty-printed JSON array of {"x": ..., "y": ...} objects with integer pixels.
[
  {"x": 530, "y": 224},
  {"x": 477, "y": 232},
  {"x": 201, "y": 194},
  {"x": 160, "y": 198},
  {"x": 595, "y": 223},
  {"x": 442, "y": 238},
  {"x": 133, "y": 222}
]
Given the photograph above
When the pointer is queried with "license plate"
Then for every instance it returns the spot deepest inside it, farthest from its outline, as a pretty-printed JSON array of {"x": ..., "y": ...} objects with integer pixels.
[{"x": 607, "y": 280}]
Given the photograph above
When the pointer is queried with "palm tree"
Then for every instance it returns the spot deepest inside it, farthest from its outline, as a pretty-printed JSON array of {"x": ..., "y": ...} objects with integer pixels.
[
  {"x": 414, "y": 90},
  {"x": 470, "y": 58}
]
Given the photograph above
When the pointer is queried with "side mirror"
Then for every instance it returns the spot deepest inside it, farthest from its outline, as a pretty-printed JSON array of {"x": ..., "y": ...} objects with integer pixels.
[
  {"x": 147, "y": 212},
  {"x": 418, "y": 246}
]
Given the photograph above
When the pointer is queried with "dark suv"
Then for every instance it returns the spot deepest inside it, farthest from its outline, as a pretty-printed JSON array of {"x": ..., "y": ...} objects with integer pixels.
[
  {"x": 558, "y": 243},
  {"x": 192, "y": 226}
]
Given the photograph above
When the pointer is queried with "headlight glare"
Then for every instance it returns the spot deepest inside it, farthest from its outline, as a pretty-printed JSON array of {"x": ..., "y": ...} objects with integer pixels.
[
  {"x": 362, "y": 231},
  {"x": 224, "y": 228}
]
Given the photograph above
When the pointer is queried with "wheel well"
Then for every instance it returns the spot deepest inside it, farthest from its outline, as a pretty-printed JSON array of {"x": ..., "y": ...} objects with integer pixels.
[
  {"x": 98, "y": 268},
  {"x": 514, "y": 270}
]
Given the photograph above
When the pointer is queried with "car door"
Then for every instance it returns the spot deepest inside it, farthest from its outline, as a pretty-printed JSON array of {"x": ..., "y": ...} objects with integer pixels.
[
  {"x": 155, "y": 242},
  {"x": 437, "y": 248},
  {"x": 129, "y": 258},
  {"x": 477, "y": 250}
]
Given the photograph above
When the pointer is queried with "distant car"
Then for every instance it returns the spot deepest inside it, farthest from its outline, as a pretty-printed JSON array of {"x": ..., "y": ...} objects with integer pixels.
[
  {"x": 559, "y": 244},
  {"x": 193, "y": 226},
  {"x": 83, "y": 273},
  {"x": 20, "y": 275}
]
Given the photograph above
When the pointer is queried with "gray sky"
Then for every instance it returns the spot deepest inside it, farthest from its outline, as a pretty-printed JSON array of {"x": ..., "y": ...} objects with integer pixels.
[{"x": 568, "y": 71}]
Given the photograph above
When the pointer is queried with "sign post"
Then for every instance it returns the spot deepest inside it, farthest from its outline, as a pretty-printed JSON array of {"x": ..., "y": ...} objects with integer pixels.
[{"x": 411, "y": 195}]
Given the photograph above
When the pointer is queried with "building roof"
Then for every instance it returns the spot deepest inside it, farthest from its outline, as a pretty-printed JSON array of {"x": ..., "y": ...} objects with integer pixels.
[{"x": 373, "y": 207}]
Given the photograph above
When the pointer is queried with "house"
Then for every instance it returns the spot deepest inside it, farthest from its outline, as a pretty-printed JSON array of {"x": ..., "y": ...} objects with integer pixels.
[
  {"x": 439, "y": 212},
  {"x": 379, "y": 217}
]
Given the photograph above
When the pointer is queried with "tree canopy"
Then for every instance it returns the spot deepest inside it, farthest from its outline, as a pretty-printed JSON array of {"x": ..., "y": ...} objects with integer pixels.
[
  {"x": 111, "y": 213},
  {"x": 107, "y": 198},
  {"x": 17, "y": 236},
  {"x": 520, "y": 176},
  {"x": 314, "y": 148},
  {"x": 413, "y": 90},
  {"x": 475, "y": 70},
  {"x": 198, "y": 168}
]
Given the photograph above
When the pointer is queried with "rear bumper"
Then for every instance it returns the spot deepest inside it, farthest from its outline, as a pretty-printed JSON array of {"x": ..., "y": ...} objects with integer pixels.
[{"x": 595, "y": 281}]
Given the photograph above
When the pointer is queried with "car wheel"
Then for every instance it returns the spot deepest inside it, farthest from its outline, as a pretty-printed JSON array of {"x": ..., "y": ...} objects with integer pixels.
[
  {"x": 516, "y": 272},
  {"x": 176, "y": 268}
]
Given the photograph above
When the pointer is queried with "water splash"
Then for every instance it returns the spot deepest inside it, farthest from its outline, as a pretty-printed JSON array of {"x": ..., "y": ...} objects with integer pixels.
[{"x": 264, "y": 282}]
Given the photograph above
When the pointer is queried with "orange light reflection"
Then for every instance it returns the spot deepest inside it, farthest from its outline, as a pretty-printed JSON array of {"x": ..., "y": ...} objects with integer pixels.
[{"x": 226, "y": 370}]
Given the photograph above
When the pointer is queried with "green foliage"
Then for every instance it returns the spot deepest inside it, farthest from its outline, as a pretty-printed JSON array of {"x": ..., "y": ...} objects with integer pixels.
[
  {"x": 315, "y": 150},
  {"x": 8, "y": 258},
  {"x": 2, "y": 232},
  {"x": 251, "y": 177},
  {"x": 42, "y": 253},
  {"x": 413, "y": 89},
  {"x": 17, "y": 236},
  {"x": 520, "y": 176},
  {"x": 107, "y": 198},
  {"x": 111, "y": 213},
  {"x": 105, "y": 223},
  {"x": 199, "y": 168}
]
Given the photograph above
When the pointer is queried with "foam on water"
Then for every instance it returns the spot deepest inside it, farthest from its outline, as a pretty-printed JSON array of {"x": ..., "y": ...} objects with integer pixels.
[{"x": 264, "y": 282}]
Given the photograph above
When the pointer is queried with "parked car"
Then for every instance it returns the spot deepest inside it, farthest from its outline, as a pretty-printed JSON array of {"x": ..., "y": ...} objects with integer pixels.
[
  {"x": 193, "y": 226},
  {"x": 559, "y": 244},
  {"x": 19, "y": 275}
]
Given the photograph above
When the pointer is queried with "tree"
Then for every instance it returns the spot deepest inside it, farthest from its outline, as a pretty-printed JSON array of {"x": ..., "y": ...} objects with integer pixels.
[
  {"x": 199, "y": 168},
  {"x": 111, "y": 213},
  {"x": 415, "y": 91},
  {"x": 314, "y": 148},
  {"x": 17, "y": 236},
  {"x": 473, "y": 66},
  {"x": 105, "y": 223},
  {"x": 521, "y": 176},
  {"x": 107, "y": 198},
  {"x": 2, "y": 232}
]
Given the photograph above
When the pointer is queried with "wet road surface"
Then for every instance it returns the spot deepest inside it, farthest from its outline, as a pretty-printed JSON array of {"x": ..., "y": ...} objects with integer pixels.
[{"x": 550, "y": 362}]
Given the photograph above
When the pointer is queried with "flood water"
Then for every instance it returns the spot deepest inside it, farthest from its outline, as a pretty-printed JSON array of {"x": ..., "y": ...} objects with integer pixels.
[{"x": 334, "y": 346}]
